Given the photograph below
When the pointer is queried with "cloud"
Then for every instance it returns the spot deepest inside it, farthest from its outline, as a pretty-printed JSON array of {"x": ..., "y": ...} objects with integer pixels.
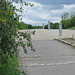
[
  {"x": 55, "y": 2},
  {"x": 42, "y": 13},
  {"x": 69, "y": 6}
]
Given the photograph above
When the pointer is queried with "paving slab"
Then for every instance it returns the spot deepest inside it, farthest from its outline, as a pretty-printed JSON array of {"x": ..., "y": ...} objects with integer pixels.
[{"x": 45, "y": 34}]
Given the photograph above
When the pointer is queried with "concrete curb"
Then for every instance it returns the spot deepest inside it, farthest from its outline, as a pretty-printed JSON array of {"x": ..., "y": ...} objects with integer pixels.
[{"x": 63, "y": 41}]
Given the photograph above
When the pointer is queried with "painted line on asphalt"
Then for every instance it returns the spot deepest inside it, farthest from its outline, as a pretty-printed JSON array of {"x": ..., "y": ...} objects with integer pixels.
[{"x": 48, "y": 64}]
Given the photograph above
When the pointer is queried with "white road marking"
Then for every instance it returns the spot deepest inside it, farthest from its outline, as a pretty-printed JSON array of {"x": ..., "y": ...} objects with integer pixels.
[
  {"x": 49, "y": 64},
  {"x": 41, "y": 64},
  {"x": 32, "y": 64}
]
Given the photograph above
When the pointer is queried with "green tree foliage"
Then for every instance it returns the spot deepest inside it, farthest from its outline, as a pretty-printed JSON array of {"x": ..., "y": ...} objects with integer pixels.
[
  {"x": 66, "y": 23},
  {"x": 30, "y": 26},
  {"x": 52, "y": 26},
  {"x": 46, "y": 26},
  {"x": 22, "y": 25},
  {"x": 65, "y": 15},
  {"x": 72, "y": 21},
  {"x": 55, "y": 26},
  {"x": 68, "y": 19},
  {"x": 10, "y": 37},
  {"x": 37, "y": 27}
]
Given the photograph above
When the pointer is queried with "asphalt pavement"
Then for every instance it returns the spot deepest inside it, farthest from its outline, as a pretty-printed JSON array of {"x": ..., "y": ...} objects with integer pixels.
[{"x": 50, "y": 58}]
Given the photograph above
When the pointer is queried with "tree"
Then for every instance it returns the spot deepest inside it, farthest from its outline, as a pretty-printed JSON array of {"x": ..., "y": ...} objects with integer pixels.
[
  {"x": 65, "y": 15},
  {"x": 30, "y": 27},
  {"x": 46, "y": 26},
  {"x": 22, "y": 25},
  {"x": 73, "y": 21},
  {"x": 68, "y": 19}
]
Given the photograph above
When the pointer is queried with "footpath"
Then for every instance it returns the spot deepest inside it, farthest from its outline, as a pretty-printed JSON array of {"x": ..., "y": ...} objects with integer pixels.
[{"x": 51, "y": 57}]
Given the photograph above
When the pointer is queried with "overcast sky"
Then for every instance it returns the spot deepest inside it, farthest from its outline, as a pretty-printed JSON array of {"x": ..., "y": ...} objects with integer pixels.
[{"x": 45, "y": 10}]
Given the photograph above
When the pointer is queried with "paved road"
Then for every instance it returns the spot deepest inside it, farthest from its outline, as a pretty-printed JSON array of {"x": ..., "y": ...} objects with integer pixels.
[{"x": 50, "y": 58}]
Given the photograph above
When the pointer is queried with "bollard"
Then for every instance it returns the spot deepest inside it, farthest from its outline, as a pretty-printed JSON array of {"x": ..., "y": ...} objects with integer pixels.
[
  {"x": 43, "y": 25},
  {"x": 48, "y": 25},
  {"x": 60, "y": 29}
]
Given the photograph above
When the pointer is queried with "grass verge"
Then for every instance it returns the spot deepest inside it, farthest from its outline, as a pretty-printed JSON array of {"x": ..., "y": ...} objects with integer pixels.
[
  {"x": 72, "y": 28},
  {"x": 71, "y": 41},
  {"x": 10, "y": 67}
]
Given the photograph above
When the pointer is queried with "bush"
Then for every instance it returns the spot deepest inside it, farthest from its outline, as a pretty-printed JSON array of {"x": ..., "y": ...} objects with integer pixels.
[
  {"x": 10, "y": 67},
  {"x": 11, "y": 39},
  {"x": 9, "y": 33}
]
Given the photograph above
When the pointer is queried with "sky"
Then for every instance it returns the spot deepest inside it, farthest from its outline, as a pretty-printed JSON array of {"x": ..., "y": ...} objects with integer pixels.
[{"x": 45, "y": 10}]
